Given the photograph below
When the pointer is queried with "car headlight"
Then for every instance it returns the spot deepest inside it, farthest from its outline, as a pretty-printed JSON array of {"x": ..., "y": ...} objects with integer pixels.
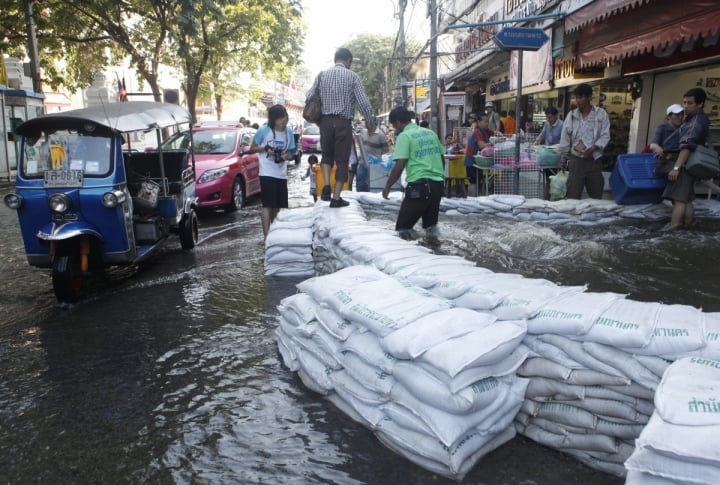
[
  {"x": 214, "y": 174},
  {"x": 113, "y": 199},
  {"x": 13, "y": 201},
  {"x": 59, "y": 203}
]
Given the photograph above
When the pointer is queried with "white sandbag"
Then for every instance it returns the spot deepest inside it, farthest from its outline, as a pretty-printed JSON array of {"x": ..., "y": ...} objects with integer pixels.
[
  {"x": 587, "y": 377},
  {"x": 319, "y": 287},
  {"x": 345, "y": 407},
  {"x": 335, "y": 324},
  {"x": 645, "y": 406},
  {"x": 623, "y": 453},
  {"x": 401, "y": 447},
  {"x": 367, "y": 347},
  {"x": 319, "y": 350},
  {"x": 290, "y": 237},
  {"x": 455, "y": 286},
  {"x": 449, "y": 428},
  {"x": 298, "y": 308},
  {"x": 479, "y": 292},
  {"x": 606, "y": 467},
  {"x": 397, "y": 256},
  {"x": 541, "y": 367},
  {"x": 626, "y": 363},
  {"x": 679, "y": 329},
  {"x": 640, "y": 478},
  {"x": 398, "y": 306},
  {"x": 412, "y": 340},
  {"x": 556, "y": 428},
  {"x": 526, "y": 301},
  {"x": 619, "y": 430},
  {"x": 430, "y": 390},
  {"x": 587, "y": 442},
  {"x": 288, "y": 255},
  {"x": 656, "y": 365},
  {"x": 351, "y": 390},
  {"x": 606, "y": 407},
  {"x": 550, "y": 352},
  {"x": 576, "y": 352},
  {"x": 711, "y": 349},
  {"x": 635, "y": 390},
  {"x": 566, "y": 414},
  {"x": 429, "y": 270},
  {"x": 678, "y": 470},
  {"x": 543, "y": 387},
  {"x": 626, "y": 323},
  {"x": 604, "y": 392},
  {"x": 482, "y": 347},
  {"x": 314, "y": 374},
  {"x": 571, "y": 314},
  {"x": 689, "y": 393},
  {"x": 288, "y": 355},
  {"x": 471, "y": 375},
  {"x": 370, "y": 376}
]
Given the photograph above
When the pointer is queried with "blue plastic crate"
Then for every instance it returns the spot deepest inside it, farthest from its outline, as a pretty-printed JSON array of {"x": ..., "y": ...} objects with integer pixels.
[{"x": 633, "y": 181}]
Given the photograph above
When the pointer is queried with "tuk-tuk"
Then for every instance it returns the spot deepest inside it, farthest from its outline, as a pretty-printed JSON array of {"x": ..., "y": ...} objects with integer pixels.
[{"x": 87, "y": 200}]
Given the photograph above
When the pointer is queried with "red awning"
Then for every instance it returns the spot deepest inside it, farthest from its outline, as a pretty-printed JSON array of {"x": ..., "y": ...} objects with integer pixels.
[
  {"x": 598, "y": 11},
  {"x": 643, "y": 30}
]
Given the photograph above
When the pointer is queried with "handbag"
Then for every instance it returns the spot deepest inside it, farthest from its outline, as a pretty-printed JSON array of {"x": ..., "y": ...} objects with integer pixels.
[
  {"x": 703, "y": 163},
  {"x": 312, "y": 112}
]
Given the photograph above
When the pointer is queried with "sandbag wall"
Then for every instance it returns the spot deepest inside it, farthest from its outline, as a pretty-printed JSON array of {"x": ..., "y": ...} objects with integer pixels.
[{"x": 591, "y": 362}]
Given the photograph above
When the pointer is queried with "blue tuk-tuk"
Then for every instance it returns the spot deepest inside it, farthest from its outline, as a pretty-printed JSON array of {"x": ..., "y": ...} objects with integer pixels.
[{"x": 87, "y": 200}]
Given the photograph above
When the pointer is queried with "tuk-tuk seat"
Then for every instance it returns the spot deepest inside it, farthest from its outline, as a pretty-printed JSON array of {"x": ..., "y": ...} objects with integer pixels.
[{"x": 142, "y": 165}]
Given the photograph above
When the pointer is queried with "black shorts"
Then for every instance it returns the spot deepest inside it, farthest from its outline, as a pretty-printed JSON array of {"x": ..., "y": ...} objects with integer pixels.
[
  {"x": 336, "y": 141},
  {"x": 274, "y": 192},
  {"x": 412, "y": 210}
]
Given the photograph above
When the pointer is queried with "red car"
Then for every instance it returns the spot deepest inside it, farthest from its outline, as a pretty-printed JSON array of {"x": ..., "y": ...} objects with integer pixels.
[{"x": 225, "y": 174}]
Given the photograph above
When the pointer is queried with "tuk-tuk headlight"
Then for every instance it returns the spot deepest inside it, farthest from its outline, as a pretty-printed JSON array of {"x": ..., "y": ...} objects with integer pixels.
[
  {"x": 114, "y": 198},
  {"x": 59, "y": 203},
  {"x": 13, "y": 201}
]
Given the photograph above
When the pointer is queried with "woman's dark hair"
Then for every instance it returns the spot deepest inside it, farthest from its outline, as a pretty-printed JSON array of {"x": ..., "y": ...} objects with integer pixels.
[{"x": 275, "y": 113}]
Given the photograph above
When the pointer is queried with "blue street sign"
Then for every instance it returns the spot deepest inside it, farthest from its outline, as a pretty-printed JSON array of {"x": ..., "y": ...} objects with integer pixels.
[{"x": 522, "y": 38}]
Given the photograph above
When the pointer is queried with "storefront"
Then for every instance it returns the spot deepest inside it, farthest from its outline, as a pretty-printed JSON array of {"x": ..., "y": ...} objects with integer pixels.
[{"x": 17, "y": 106}]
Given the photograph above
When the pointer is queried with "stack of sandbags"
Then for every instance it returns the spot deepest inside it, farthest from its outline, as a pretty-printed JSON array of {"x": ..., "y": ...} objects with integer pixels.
[
  {"x": 288, "y": 247},
  {"x": 678, "y": 445},
  {"x": 601, "y": 358},
  {"x": 434, "y": 382}
]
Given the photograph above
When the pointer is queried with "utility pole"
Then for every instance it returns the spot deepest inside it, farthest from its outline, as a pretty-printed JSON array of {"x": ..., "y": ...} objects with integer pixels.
[
  {"x": 434, "y": 118},
  {"x": 403, "y": 70},
  {"x": 32, "y": 46}
]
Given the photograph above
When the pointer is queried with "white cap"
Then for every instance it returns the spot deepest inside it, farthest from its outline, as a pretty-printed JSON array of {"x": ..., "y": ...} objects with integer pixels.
[
  {"x": 674, "y": 108},
  {"x": 489, "y": 104}
]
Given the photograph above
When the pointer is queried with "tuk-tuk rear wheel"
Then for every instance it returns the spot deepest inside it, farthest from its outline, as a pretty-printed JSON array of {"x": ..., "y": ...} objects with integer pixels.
[
  {"x": 67, "y": 276},
  {"x": 189, "y": 230}
]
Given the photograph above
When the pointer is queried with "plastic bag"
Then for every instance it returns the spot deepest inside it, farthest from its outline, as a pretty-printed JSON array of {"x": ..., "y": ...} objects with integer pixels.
[{"x": 558, "y": 185}]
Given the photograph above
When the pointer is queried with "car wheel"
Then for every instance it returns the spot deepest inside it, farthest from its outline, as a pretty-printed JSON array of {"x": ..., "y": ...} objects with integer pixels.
[
  {"x": 237, "y": 198},
  {"x": 189, "y": 230}
]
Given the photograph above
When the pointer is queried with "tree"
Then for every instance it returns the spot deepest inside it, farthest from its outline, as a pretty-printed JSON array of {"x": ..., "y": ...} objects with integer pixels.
[
  {"x": 191, "y": 35},
  {"x": 374, "y": 61}
]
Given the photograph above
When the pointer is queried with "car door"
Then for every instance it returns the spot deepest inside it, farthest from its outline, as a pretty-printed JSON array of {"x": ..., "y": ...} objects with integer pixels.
[{"x": 251, "y": 164}]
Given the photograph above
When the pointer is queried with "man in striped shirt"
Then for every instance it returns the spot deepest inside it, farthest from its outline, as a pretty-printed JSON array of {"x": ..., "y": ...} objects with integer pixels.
[{"x": 341, "y": 92}]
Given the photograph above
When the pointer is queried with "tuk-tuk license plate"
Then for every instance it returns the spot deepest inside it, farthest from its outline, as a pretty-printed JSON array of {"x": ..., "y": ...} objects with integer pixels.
[{"x": 63, "y": 178}]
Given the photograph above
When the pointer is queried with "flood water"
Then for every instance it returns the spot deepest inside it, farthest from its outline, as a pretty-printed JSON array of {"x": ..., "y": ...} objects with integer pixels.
[{"x": 170, "y": 373}]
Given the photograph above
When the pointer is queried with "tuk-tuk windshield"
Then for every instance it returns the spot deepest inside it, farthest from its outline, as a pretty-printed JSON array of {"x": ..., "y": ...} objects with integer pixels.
[{"x": 64, "y": 150}]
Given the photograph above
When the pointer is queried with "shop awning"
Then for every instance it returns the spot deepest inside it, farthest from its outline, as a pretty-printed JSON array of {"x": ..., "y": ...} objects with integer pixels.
[
  {"x": 639, "y": 31},
  {"x": 598, "y": 11}
]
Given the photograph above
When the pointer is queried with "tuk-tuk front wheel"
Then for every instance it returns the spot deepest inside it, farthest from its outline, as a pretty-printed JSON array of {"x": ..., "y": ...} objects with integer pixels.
[
  {"x": 67, "y": 276},
  {"x": 189, "y": 230}
]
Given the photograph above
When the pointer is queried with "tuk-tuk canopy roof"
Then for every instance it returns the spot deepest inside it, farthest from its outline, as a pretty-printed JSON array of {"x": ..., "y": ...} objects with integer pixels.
[{"x": 113, "y": 117}]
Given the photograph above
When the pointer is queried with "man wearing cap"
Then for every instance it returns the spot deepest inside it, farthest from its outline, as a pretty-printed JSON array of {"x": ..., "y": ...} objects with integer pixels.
[
  {"x": 493, "y": 117},
  {"x": 666, "y": 140},
  {"x": 585, "y": 134}
]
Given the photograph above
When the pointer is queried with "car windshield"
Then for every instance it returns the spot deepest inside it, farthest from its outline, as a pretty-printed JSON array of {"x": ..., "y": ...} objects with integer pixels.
[
  {"x": 311, "y": 130},
  {"x": 64, "y": 150},
  {"x": 214, "y": 141}
]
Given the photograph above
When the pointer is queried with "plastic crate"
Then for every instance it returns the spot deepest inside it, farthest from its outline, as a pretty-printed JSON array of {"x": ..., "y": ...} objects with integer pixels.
[{"x": 633, "y": 180}]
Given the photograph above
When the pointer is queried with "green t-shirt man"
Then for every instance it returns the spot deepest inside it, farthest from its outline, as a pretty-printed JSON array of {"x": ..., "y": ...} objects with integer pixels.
[{"x": 423, "y": 151}]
